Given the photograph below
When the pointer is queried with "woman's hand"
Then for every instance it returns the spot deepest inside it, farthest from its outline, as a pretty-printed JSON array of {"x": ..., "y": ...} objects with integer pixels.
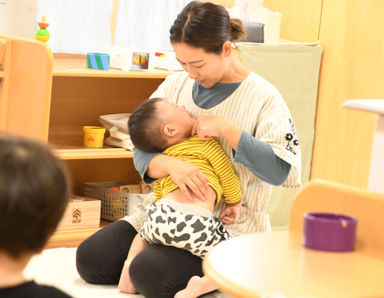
[
  {"x": 208, "y": 126},
  {"x": 189, "y": 178},
  {"x": 213, "y": 126}
]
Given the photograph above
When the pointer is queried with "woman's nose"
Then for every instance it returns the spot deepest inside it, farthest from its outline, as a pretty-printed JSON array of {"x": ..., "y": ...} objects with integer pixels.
[{"x": 192, "y": 73}]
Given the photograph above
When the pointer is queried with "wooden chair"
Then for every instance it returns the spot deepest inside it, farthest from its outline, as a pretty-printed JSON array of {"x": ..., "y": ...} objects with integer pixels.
[
  {"x": 26, "y": 69},
  {"x": 326, "y": 196}
]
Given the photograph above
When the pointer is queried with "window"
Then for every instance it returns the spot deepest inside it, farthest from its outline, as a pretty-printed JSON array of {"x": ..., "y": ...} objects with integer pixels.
[
  {"x": 145, "y": 24},
  {"x": 85, "y": 26}
]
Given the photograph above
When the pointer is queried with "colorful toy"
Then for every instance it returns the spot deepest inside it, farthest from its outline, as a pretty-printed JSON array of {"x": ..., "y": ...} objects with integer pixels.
[
  {"x": 93, "y": 136},
  {"x": 42, "y": 34},
  {"x": 98, "y": 61}
]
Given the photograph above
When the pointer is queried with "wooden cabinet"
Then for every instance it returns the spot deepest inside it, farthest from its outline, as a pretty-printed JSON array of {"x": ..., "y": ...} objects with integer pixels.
[
  {"x": 79, "y": 97},
  {"x": 51, "y": 99}
]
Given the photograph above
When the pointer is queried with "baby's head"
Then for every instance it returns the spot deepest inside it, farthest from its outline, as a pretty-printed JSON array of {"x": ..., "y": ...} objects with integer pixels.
[{"x": 157, "y": 124}]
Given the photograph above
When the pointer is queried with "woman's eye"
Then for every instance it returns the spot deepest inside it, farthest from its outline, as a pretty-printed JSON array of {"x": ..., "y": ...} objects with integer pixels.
[{"x": 200, "y": 66}]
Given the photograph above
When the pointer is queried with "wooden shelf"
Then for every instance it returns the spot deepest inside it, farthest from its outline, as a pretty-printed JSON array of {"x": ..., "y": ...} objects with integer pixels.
[
  {"x": 76, "y": 67},
  {"x": 88, "y": 153},
  {"x": 70, "y": 148},
  {"x": 69, "y": 238},
  {"x": 67, "y": 97}
]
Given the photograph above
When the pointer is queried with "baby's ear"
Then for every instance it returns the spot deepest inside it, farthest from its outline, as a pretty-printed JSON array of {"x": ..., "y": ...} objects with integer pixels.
[{"x": 169, "y": 130}]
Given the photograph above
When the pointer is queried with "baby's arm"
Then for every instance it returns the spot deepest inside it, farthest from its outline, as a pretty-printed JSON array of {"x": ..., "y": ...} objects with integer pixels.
[
  {"x": 230, "y": 214},
  {"x": 125, "y": 283}
]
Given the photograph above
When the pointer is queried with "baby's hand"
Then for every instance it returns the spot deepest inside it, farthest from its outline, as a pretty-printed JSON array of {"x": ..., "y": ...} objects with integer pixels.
[{"x": 230, "y": 214}]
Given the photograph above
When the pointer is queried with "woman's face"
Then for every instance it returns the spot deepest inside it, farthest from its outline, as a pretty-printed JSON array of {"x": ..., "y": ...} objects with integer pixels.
[{"x": 205, "y": 68}]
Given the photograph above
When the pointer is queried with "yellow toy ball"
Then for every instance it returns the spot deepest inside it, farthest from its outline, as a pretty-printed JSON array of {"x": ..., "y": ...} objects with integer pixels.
[{"x": 42, "y": 35}]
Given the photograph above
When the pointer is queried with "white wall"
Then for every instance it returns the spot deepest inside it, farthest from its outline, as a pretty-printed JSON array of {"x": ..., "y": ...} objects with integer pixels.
[{"x": 18, "y": 18}]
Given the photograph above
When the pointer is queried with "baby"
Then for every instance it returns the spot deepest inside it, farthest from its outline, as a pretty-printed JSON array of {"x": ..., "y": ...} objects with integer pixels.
[{"x": 159, "y": 126}]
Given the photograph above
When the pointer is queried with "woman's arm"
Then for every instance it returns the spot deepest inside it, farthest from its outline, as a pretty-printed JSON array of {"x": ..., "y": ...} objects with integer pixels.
[
  {"x": 251, "y": 152},
  {"x": 261, "y": 160}
]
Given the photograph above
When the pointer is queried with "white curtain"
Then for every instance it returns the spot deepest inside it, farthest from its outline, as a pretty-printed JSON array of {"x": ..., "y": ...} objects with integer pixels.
[
  {"x": 83, "y": 26},
  {"x": 77, "y": 26},
  {"x": 145, "y": 24}
]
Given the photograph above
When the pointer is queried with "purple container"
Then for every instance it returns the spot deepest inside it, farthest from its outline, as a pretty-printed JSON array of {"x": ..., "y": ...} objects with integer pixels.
[{"x": 329, "y": 232}]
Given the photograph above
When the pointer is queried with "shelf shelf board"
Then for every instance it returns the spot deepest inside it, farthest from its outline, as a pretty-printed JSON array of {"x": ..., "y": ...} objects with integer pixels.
[
  {"x": 69, "y": 147},
  {"x": 88, "y": 153},
  {"x": 76, "y": 67}
]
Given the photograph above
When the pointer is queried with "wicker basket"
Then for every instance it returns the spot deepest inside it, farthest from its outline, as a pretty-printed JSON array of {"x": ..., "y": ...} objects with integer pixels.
[{"x": 114, "y": 204}]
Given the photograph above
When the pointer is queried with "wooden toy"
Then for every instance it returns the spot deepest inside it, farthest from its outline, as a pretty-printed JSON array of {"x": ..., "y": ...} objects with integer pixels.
[{"x": 42, "y": 34}]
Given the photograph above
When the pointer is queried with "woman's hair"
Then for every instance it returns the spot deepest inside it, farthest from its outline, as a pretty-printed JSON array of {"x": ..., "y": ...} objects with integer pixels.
[
  {"x": 206, "y": 25},
  {"x": 34, "y": 193},
  {"x": 145, "y": 127}
]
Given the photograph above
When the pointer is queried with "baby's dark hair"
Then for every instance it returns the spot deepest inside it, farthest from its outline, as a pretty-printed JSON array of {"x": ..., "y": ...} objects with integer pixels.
[
  {"x": 34, "y": 193},
  {"x": 206, "y": 25},
  {"x": 145, "y": 127}
]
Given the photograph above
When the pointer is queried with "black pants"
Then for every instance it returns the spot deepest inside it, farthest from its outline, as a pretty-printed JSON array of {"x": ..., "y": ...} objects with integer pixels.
[{"x": 158, "y": 271}]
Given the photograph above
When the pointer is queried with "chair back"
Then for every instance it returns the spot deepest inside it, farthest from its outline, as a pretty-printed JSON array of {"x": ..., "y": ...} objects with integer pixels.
[{"x": 326, "y": 196}]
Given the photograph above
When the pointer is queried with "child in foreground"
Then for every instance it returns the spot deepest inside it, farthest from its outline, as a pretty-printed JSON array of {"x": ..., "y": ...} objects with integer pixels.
[
  {"x": 34, "y": 193},
  {"x": 159, "y": 126}
]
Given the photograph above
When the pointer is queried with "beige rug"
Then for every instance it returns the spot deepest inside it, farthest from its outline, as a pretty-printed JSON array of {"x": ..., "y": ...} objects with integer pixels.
[{"x": 57, "y": 267}]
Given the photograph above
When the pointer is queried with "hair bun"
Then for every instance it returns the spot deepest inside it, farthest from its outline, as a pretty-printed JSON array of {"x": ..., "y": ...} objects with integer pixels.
[{"x": 237, "y": 30}]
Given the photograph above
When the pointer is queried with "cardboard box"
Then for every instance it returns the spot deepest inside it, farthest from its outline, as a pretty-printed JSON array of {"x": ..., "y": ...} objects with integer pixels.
[{"x": 81, "y": 213}]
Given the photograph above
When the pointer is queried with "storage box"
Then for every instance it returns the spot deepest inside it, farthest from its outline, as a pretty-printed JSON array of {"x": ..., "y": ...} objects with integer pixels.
[
  {"x": 115, "y": 204},
  {"x": 81, "y": 213},
  {"x": 141, "y": 188}
]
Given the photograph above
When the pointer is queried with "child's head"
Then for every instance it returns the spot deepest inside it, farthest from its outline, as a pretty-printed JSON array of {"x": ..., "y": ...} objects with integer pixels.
[
  {"x": 157, "y": 124},
  {"x": 34, "y": 193}
]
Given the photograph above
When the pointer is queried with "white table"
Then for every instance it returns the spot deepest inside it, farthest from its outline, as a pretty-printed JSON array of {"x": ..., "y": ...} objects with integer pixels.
[
  {"x": 376, "y": 173},
  {"x": 275, "y": 264}
]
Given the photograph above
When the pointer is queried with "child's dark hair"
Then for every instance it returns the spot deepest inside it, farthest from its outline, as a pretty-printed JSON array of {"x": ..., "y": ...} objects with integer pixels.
[
  {"x": 145, "y": 129},
  {"x": 206, "y": 25},
  {"x": 34, "y": 193}
]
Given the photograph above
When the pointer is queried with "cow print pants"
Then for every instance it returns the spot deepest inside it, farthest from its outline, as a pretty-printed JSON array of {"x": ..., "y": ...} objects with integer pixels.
[{"x": 183, "y": 226}]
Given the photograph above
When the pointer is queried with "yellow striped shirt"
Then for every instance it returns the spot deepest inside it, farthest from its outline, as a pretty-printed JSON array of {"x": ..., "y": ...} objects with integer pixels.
[{"x": 212, "y": 161}]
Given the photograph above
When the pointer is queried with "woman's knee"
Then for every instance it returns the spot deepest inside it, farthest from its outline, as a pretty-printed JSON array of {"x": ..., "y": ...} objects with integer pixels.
[
  {"x": 161, "y": 271},
  {"x": 86, "y": 262},
  {"x": 100, "y": 258}
]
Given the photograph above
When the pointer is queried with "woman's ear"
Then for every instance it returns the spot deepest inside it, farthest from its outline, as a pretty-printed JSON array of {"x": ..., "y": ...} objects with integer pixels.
[
  {"x": 169, "y": 130},
  {"x": 227, "y": 48}
]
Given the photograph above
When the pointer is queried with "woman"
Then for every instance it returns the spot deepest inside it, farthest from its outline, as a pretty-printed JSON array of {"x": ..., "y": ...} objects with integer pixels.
[{"x": 252, "y": 124}]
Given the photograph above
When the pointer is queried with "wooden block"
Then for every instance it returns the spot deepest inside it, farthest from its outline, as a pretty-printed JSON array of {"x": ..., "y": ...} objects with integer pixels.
[
  {"x": 146, "y": 188},
  {"x": 81, "y": 213},
  {"x": 135, "y": 188}
]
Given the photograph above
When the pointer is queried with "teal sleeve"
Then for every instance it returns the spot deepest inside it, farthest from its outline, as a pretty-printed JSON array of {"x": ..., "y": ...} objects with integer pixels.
[
  {"x": 260, "y": 159},
  {"x": 141, "y": 161}
]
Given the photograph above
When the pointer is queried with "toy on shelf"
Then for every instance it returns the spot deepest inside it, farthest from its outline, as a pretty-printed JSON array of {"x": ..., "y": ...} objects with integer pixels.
[{"x": 42, "y": 34}]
